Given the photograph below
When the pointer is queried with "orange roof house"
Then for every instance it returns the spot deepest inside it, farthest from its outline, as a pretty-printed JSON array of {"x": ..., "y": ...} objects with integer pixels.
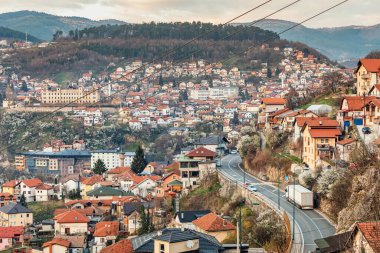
[
  {"x": 214, "y": 225},
  {"x": 72, "y": 222},
  {"x": 123, "y": 246},
  {"x": 366, "y": 237},
  {"x": 106, "y": 229}
]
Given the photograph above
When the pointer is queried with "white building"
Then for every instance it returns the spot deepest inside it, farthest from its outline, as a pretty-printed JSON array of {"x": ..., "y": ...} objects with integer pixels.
[
  {"x": 129, "y": 158},
  {"x": 111, "y": 158}
]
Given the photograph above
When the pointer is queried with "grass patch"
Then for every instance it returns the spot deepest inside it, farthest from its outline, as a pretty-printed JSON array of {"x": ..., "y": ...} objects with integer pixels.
[
  {"x": 324, "y": 100},
  {"x": 44, "y": 210},
  {"x": 65, "y": 77}
]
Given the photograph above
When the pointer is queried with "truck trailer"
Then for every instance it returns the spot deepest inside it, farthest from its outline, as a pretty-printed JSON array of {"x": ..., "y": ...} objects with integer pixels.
[{"x": 300, "y": 196}]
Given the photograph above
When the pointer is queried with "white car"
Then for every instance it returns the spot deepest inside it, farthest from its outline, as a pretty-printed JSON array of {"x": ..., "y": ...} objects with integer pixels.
[{"x": 252, "y": 188}]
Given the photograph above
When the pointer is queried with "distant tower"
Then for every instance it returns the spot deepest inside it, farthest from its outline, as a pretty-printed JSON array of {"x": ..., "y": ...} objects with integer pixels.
[{"x": 121, "y": 159}]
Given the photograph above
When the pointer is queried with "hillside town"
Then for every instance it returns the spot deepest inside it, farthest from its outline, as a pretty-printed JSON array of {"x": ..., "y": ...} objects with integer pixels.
[{"x": 112, "y": 198}]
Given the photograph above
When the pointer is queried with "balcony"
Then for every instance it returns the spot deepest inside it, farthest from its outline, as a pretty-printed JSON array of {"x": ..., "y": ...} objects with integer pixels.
[{"x": 325, "y": 147}]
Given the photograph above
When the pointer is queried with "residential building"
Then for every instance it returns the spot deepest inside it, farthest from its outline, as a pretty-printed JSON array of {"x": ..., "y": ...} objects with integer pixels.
[
  {"x": 366, "y": 237},
  {"x": 63, "y": 244},
  {"x": 111, "y": 158},
  {"x": 66, "y": 96},
  {"x": 61, "y": 163},
  {"x": 371, "y": 112},
  {"x": 11, "y": 237},
  {"x": 88, "y": 184},
  {"x": 105, "y": 234},
  {"x": 44, "y": 192},
  {"x": 184, "y": 219},
  {"x": 351, "y": 111},
  {"x": 71, "y": 222},
  {"x": 122, "y": 246},
  {"x": 15, "y": 214},
  {"x": 215, "y": 226},
  {"x": 344, "y": 149},
  {"x": 28, "y": 188},
  {"x": 367, "y": 75},
  {"x": 319, "y": 141},
  {"x": 106, "y": 192},
  {"x": 11, "y": 187}
]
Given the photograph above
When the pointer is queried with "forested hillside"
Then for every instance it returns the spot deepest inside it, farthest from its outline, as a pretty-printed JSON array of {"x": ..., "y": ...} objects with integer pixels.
[
  {"x": 94, "y": 48},
  {"x": 9, "y": 34}
]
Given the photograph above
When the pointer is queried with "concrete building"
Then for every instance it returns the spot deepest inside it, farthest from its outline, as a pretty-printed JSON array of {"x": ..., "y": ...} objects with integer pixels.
[{"x": 65, "y": 96}]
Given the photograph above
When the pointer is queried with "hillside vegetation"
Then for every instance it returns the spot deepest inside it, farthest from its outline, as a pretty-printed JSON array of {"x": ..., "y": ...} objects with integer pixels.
[
  {"x": 99, "y": 46},
  {"x": 9, "y": 34}
]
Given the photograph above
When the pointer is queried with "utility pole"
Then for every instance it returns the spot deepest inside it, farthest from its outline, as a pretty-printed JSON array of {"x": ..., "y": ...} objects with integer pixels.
[
  {"x": 237, "y": 237},
  {"x": 278, "y": 189},
  {"x": 294, "y": 204}
]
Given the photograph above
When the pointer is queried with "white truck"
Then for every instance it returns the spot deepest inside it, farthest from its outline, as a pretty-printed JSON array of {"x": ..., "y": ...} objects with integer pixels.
[{"x": 302, "y": 197}]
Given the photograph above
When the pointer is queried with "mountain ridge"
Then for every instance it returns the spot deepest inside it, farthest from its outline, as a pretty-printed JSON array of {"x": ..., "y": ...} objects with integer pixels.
[
  {"x": 43, "y": 25},
  {"x": 338, "y": 43}
]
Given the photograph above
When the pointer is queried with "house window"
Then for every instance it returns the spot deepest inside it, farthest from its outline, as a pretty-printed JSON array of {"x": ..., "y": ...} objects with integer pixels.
[{"x": 162, "y": 248}]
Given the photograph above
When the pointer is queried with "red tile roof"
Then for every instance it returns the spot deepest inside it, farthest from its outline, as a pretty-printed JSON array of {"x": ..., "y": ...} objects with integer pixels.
[
  {"x": 371, "y": 65},
  {"x": 106, "y": 228},
  {"x": 11, "y": 183},
  {"x": 92, "y": 180},
  {"x": 322, "y": 123},
  {"x": 371, "y": 232},
  {"x": 120, "y": 170},
  {"x": 59, "y": 241},
  {"x": 324, "y": 133},
  {"x": 123, "y": 246},
  {"x": 34, "y": 182},
  {"x": 201, "y": 152},
  {"x": 345, "y": 141},
  {"x": 71, "y": 216},
  {"x": 273, "y": 101},
  {"x": 44, "y": 187},
  {"x": 212, "y": 223},
  {"x": 356, "y": 103},
  {"x": 10, "y": 232}
]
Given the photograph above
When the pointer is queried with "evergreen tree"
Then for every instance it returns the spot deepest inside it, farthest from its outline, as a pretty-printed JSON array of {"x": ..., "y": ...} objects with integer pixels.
[
  {"x": 24, "y": 86},
  {"x": 99, "y": 167},
  {"x": 146, "y": 222},
  {"x": 241, "y": 94},
  {"x": 160, "y": 80},
  {"x": 247, "y": 96},
  {"x": 139, "y": 163},
  {"x": 235, "y": 119},
  {"x": 269, "y": 73},
  {"x": 23, "y": 200}
]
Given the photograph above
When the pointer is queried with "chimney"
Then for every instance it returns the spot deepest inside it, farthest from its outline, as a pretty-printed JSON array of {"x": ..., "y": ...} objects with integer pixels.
[
  {"x": 320, "y": 122},
  {"x": 121, "y": 160}
]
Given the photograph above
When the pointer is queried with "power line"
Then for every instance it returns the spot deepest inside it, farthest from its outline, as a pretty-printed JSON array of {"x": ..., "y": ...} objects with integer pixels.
[
  {"x": 168, "y": 53},
  {"x": 243, "y": 52}
]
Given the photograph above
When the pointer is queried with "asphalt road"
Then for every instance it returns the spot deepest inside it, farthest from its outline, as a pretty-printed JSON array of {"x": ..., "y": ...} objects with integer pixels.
[{"x": 310, "y": 225}]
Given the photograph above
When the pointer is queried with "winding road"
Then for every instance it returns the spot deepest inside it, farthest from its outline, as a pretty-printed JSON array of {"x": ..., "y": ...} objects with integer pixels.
[{"x": 309, "y": 225}]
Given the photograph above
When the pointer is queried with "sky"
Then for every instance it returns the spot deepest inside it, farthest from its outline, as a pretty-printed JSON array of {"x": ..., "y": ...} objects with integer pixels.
[{"x": 353, "y": 12}]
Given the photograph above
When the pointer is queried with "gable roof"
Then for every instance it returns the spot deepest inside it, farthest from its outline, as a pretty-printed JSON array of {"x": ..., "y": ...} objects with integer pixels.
[
  {"x": 10, "y": 232},
  {"x": 356, "y": 103},
  {"x": 106, "y": 228},
  {"x": 327, "y": 133},
  {"x": 123, "y": 246},
  {"x": 209, "y": 140},
  {"x": 332, "y": 244},
  {"x": 63, "y": 242},
  {"x": 145, "y": 243},
  {"x": 201, "y": 152},
  {"x": 130, "y": 207},
  {"x": 212, "y": 223},
  {"x": 189, "y": 216},
  {"x": 14, "y": 208},
  {"x": 92, "y": 180},
  {"x": 11, "y": 183},
  {"x": 34, "y": 182},
  {"x": 120, "y": 170},
  {"x": 108, "y": 191},
  {"x": 371, "y": 232},
  {"x": 371, "y": 65},
  {"x": 273, "y": 101},
  {"x": 71, "y": 216},
  {"x": 76, "y": 241}
]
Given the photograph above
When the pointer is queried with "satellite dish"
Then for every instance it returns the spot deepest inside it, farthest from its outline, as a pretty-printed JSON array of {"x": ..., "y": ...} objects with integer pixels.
[{"x": 190, "y": 244}]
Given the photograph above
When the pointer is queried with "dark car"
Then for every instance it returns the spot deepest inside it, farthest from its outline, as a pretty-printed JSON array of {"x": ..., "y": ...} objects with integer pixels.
[{"x": 366, "y": 130}]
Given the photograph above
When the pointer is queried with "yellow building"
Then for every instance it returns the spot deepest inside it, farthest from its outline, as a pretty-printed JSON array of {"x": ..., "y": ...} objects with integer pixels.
[
  {"x": 319, "y": 140},
  {"x": 65, "y": 96},
  {"x": 10, "y": 187},
  {"x": 15, "y": 214},
  {"x": 20, "y": 162},
  {"x": 367, "y": 75},
  {"x": 88, "y": 184}
]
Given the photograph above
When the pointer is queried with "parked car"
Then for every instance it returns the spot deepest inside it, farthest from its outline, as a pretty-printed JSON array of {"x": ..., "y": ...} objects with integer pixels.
[
  {"x": 252, "y": 188},
  {"x": 366, "y": 130}
]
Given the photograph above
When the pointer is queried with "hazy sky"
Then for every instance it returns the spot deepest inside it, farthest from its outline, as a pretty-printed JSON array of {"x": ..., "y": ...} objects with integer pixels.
[{"x": 353, "y": 12}]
